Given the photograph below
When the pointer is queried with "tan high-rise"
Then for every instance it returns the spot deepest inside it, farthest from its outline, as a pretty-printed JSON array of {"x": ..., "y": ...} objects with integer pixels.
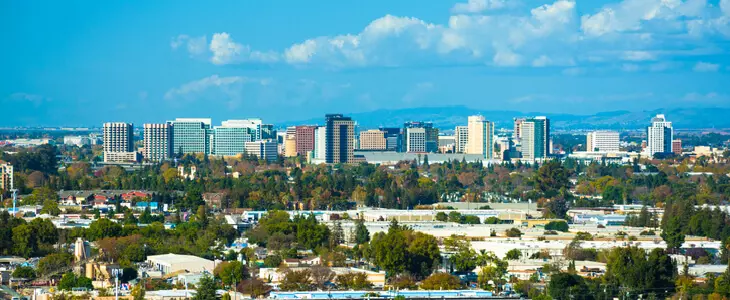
[
  {"x": 481, "y": 136},
  {"x": 372, "y": 140}
]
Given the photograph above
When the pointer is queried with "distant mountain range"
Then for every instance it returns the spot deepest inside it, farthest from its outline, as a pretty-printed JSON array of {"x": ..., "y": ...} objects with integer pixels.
[{"x": 451, "y": 116}]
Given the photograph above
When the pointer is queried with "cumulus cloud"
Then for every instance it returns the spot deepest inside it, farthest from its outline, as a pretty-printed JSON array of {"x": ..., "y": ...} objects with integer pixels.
[
  {"x": 194, "y": 45},
  {"x": 213, "y": 81},
  {"x": 706, "y": 67},
  {"x": 483, "y": 32},
  {"x": 477, "y": 6},
  {"x": 226, "y": 51}
]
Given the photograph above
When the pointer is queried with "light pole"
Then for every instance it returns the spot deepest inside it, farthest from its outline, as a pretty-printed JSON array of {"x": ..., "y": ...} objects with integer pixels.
[
  {"x": 117, "y": 273},
  {"x": 15, "y": 199}
]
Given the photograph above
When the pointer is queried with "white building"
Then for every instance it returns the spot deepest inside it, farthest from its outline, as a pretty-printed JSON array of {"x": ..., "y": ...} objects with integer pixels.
[
  {"x": 263, "y": 149},
  {"x": 253, "y": 124},
  {"x": 76, "y": 140},
  {"x": 534, "y": 137},
  {"x": 602, "y": 141},
  {"x": 157, "y": 142},
  {"x": 119, "y": 142},
  {"x": 416, "y": 140},
  {"x": 169, "y": 263},
  {"x": 659, "y": 136},
  {"x": 461, "y": 135},
  {"x": 481, "y": 137}
]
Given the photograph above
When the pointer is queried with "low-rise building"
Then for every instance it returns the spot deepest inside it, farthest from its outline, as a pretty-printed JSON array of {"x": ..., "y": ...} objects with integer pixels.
[
  {"x": 274, "y": 275},
  {"x": 169, "y": 263}
]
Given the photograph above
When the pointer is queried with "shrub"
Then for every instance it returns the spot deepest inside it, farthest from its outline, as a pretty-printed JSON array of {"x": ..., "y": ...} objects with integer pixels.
[
  {"x": 513, "y": 232},
  {"x": 557, "y": 225}
]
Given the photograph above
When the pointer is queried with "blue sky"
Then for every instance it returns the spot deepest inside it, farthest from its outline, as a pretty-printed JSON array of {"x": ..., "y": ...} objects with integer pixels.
[{"x": 85, "y": 62}]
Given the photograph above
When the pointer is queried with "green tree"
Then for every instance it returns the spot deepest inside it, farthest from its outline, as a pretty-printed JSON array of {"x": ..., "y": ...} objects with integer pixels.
[
  {"x": 231, "y": 273},
  {"x": 272, "y": 261},
  {"x": 102, "y": 228},
  {"x": 24, "y": 272},
  {"x": 672, "y": 233},
  {"x": 54, "y": 261},
  {"x": 50, "y": 207},
  {"x": 442, "y": 216},
  {"x": 362, "y": 235},
  {"x": 567, "y": 286},
  {"x": 455, "y": 217},
  {"x": 441, "y": 281},
  {"x": 551, "y": 177},
  {"x": 67, "y": 282},
  {"x": 300, "y": 280},
  {"x": 557, "y": 226},
  {"x": 24, "y": 241},
  {"x": 206, "y": 289},
  {"x": 513, "y": 254}
]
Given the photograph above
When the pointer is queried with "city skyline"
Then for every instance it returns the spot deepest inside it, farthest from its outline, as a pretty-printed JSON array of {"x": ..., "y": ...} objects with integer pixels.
[{"x": 556, "y": 57}]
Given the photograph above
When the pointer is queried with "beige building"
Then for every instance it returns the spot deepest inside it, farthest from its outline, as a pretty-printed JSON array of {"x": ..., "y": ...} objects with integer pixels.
[
  {"x": 372, "y": 139},
  {"x": 6, "y": 176},
  {"x": 119, "y": 142},
  {"x": 602, "y": 141},
  {"x": 157, "y": 142},
  {"x": 480, "y": 137},
  {"x": 290, "y": 144}
]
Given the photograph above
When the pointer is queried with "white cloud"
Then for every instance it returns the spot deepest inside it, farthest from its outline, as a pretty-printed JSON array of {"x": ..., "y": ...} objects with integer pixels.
[
  {"x": 634, "y": 15},
  {"x": 482, "y": 32},
  {"x": 638, "y": 56},
  {"x": 477, "y": 6},
  {"x": 226, "y": 51},
  {"x": 706, "y": 67},
  {"x": 194, "y": 45},
  {"x": 213, "y": 81}
]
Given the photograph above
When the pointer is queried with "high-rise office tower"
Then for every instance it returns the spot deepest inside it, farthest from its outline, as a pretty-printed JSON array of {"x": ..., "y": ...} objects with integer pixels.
[
  {"x": 254, "y": 125},
  {"x": 320, "y": 143},
  {"x": 304, "y": 136},
  {"x": 430, "y": 142},
  {"x": 416, "y": 140},
  {"x": 157, "y": 142},
  {"x": 231, "y": 137},
  {"x": 659, "y": 136},
  {"x": 461, "y": 138},
  {"x": 191, "y": 136},
  {"x": 373, "y": 139},
  {"x": 6, "y": 176},
  {"x": 602, "y": 141},
  {"x": 340, "y": 135},
  {"x": 516, "y": 134},
  {"x": 481, "y": 137},
  {"x": 263, "y": 149},
  {"x": 268, "y": 132},
  {"x": 119, "y": 142},
  {"x": 535, "y": 137},
  {"x": 392, "y": 138}
]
